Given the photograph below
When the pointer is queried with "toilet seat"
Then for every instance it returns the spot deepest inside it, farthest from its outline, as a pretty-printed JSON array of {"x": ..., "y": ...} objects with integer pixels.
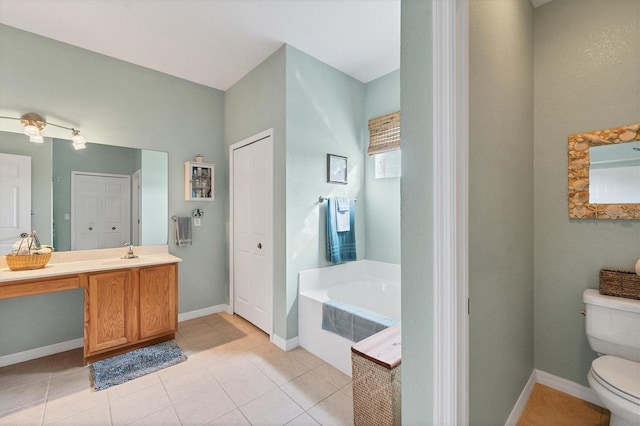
[{"x": 618, "y": 375}]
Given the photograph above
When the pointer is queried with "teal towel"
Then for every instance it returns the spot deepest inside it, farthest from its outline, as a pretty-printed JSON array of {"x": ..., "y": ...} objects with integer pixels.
[{"x": 341, "y": 246}]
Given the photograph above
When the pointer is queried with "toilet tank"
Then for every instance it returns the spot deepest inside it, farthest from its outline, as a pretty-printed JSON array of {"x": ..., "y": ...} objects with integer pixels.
[{"x": 613, "y": 325}]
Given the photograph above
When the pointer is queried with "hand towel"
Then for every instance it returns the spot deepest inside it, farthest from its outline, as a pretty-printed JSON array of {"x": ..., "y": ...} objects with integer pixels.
[
  {"x": 183, "y": 231},
  {"x": 343, "y": 215}
]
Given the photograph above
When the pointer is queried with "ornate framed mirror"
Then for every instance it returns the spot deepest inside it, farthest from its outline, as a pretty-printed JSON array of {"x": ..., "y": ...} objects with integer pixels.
[{"x": 604, "y": 174}]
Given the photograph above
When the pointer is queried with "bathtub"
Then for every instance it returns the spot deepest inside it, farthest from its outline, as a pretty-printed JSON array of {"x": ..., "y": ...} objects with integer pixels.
[{"x": 373, "y": 286}]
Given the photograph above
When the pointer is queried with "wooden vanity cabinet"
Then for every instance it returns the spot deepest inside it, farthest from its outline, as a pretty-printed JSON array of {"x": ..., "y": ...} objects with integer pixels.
[
  {"x": 129, "y": 308},
  {"x": 158, "y": 305},
  {"x": 111, "y": 310}
]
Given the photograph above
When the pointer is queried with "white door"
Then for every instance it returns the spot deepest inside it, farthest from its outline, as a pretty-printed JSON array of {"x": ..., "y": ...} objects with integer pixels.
[
  {"x": 15, "y": 199},
  {"x": 100, "y": 214},
  {"x": 252, "y": 204}
]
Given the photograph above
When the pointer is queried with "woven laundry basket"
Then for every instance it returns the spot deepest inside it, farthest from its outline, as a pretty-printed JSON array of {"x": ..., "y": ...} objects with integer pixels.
[{"x": 377, "y": 379}]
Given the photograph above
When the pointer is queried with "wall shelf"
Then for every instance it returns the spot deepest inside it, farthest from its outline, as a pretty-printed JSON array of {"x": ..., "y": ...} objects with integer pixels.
[{"x": 199, "y": 181}]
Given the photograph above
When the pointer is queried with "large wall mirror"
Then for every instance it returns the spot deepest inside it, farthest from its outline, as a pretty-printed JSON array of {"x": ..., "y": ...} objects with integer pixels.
[
  {"x": 98, "y": 197},
  {"x": 604, "y": 174}
]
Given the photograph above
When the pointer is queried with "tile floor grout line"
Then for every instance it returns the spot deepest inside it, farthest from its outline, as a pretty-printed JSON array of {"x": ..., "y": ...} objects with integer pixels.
[{"x": 46, "y": 400}]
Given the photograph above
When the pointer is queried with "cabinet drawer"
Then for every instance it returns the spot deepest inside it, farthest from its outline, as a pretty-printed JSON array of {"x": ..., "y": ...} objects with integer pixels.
[{"x": 31, "y": 287}]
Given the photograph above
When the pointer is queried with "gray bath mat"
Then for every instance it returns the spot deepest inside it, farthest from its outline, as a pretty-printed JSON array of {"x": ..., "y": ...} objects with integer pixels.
[{"x": 122, "y": 368}]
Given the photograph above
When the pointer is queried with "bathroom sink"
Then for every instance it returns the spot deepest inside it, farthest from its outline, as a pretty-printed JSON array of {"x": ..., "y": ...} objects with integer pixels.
[{"x": 130, "y": 262}]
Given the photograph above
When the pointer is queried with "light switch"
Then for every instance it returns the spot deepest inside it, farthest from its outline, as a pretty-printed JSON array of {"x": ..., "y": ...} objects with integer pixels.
[
  {"x": 67, "y": 216},
  {"x": 196, "y": 221}
]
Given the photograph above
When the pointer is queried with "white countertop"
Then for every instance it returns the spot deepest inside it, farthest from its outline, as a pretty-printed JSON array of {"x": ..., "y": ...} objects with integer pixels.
[{"x": 75, "y": 262}]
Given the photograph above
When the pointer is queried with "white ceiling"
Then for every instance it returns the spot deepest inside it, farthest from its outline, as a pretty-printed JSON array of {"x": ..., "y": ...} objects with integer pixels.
[{"x": 217, "y": 42}]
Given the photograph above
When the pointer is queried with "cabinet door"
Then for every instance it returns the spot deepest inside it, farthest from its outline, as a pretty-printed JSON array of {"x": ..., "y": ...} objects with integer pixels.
[
  {"x": 158, "y": 300},
  {"x": 112, "y": 316}
]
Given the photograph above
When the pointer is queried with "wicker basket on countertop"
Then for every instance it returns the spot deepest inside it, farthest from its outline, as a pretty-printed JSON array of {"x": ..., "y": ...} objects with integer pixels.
[
  {"x": 620, "y": 283},
  {"x": 19, "y": 262}
]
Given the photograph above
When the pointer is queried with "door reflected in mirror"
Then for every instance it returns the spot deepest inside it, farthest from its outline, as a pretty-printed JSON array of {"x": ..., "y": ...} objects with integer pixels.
[
  {"x": 52, "y": 212},
  {"x": 614, "y": 173}
]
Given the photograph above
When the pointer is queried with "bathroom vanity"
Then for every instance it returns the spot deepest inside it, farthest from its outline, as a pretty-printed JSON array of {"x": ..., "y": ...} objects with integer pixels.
[{"x": 128, "y": 303}]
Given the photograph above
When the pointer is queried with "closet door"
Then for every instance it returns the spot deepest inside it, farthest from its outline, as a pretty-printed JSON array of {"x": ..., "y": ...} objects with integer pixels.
[
  {"x": 100, "y": 211},
  {"x": 253, "y": 232}
]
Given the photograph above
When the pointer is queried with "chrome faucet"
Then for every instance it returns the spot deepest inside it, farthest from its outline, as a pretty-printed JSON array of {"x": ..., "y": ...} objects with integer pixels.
[{"x": 129, "y": 254}]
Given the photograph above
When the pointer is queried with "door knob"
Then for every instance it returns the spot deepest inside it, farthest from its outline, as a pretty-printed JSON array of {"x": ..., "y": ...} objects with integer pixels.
[{"x": 260, "y": 246}]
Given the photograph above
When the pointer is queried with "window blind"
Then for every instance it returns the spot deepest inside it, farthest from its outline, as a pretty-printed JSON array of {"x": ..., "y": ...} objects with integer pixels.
[{"x": 384, "y": 133}]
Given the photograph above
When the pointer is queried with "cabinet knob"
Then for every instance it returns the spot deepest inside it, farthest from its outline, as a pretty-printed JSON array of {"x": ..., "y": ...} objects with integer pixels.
[
  {"x": 260, "y": 246},
  {"x": 90, "y": 229},
  {"x": 113, "y": 228}
]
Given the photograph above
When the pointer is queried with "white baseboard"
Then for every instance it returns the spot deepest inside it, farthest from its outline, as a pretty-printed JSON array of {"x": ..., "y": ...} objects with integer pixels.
[
  {"x": 40, "y": 352},
  {"x": 518, "y": 409},
  {"x": 567, "y": 386},
  {"x": 203, "y": 312},
  {"x": 285, "y": 345},
  {"x": 78, "y": 343}
]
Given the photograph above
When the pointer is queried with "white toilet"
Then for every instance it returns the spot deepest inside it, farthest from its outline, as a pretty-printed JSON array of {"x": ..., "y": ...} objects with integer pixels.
[{"x": 613, "y": 330}]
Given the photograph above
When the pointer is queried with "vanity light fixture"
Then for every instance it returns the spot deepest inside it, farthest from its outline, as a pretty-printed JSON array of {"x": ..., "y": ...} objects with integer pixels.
[{"x": 34, "y": 124}]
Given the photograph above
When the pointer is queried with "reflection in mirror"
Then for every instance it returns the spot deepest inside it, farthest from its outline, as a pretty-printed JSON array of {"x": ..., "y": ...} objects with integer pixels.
[
  {"x": 53, "y": 213},
  {"x": 614, "y": 173},
  {"x": 604, "y": 174}
]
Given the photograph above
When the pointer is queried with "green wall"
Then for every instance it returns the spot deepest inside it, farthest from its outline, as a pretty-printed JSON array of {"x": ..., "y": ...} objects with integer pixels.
[
  {"x": 417, "y": 210},
  {"x": 382, "y": 196},
  {"x": 500, "y": 206},
  {"x": 18, "y": 144},
  {"x": 117, "y": 103},
  {"x": 324, "y": 116},
  {"x": 256, "y": 103},
  {"x": 587, "y": 77}
]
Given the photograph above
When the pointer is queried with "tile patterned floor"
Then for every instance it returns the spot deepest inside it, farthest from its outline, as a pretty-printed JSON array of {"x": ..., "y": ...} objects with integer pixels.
[
  {"x": 547, "y": 406},
  {"x": 234, "y": 376}
]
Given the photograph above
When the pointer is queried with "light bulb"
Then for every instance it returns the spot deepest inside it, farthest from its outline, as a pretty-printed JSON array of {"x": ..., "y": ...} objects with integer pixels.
[
  {"x": 31, "y": 130},
  {"x": 77, "y": 138}
]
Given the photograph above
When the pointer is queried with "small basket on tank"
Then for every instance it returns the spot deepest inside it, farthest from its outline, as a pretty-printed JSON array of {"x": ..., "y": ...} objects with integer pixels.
[{"x": 619, "y": 283}]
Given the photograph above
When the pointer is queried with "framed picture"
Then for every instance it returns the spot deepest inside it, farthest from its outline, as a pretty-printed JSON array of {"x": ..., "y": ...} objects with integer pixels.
[{"x": 336, "y": 169}]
